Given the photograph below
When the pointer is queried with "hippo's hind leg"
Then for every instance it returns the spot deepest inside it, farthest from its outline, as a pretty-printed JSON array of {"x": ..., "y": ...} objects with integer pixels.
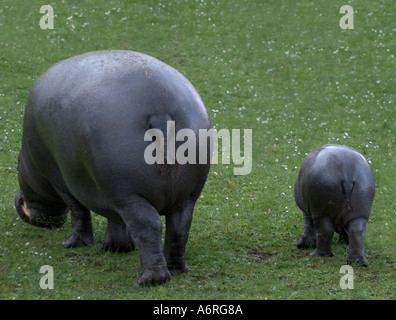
[
  {"x": 82, "y": 231},
  {"x": 117, "y": 238},
  {"x": 356, "y": 230},
  {"x": 308, "y": 237},
  {"x": 324, "y": 231},
  {"x": 144, "y": 224},
  {"x": 178, "y": 222}
]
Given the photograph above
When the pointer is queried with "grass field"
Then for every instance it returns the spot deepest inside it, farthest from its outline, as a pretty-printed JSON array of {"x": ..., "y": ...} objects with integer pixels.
[{"x": 284, "y": 69}]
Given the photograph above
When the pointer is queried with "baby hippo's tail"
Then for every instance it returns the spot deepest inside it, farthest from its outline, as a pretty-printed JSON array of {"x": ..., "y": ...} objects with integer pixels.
[{"x": 347, "y": 189}]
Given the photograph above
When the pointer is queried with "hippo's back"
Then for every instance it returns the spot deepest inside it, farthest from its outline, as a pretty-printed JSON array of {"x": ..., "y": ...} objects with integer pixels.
[
  {"x": 116, "y": 83},
  {"x": 330, "y": 164}
]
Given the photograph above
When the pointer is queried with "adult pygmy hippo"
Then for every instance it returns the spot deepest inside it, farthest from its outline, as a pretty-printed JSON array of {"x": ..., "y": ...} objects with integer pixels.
[
  {"x": 335, "y": 190},
  {"x": 83, "y": 149}
]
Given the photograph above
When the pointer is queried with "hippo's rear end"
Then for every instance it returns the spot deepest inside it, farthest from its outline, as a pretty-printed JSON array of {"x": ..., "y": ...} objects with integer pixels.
[
  {"x": 335, "y": 190},
  {"x": 84, "y": 148}
]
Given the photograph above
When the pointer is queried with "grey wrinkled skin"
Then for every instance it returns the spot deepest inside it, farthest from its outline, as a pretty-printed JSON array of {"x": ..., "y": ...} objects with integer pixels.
[
  {"x": 83, "y": 150},
  {"x": 335, "y": 190}
]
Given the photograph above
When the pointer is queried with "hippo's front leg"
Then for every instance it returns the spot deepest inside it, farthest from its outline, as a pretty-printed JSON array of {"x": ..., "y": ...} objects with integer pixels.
[
  {"x": 82, "y": 231},
  {"x": 178, "y": 223},
  {"x": 117, "y": 238},
  {"x": 356, "y": 241},
  {"x": 145, "y": 226}
]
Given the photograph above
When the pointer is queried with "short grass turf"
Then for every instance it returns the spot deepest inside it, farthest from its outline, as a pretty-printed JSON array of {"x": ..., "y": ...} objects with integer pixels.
[{"x": 284, "y": 69}]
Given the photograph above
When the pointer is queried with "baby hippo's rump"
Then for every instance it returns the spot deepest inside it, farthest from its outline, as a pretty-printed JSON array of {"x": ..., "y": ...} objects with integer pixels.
[{"x": 335, "y": 190}]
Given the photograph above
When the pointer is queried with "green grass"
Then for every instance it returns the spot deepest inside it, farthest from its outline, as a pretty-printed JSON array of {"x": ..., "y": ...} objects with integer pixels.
[{"x": 284, "y": 69}]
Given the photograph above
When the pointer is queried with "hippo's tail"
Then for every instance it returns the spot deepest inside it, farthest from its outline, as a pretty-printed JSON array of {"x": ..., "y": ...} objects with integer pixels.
[
  {"x": 347, "y": 189},
  {"x": 167, "y": 162}
]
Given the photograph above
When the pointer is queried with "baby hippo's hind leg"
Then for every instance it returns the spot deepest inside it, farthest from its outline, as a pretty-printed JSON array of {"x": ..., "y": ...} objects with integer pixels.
[
  {"x": 325, "y": 231},
  {"x": 308, "y": 237},
  {"x": 117, "y": 238},
  {"x": 356, "y": 230}
]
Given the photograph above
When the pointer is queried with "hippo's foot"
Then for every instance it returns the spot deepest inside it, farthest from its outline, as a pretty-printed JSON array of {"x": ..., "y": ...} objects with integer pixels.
[
  {"x": 82, "y": 231},
  {"x": 174, "y": 270},
  {"x": 117, "y": 238},
  {"x": 154, "y": 276},
  {"x": 321, "y": 253},
  {"x": 176, "y": 264},
  {"x": 78, "y": 239},
  {"x": 306, "y": 242},
  {"x": 359, "y": 260}
]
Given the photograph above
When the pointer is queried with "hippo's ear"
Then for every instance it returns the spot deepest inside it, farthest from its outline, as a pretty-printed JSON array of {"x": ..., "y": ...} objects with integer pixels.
[{"x": 21, "y": 207}]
